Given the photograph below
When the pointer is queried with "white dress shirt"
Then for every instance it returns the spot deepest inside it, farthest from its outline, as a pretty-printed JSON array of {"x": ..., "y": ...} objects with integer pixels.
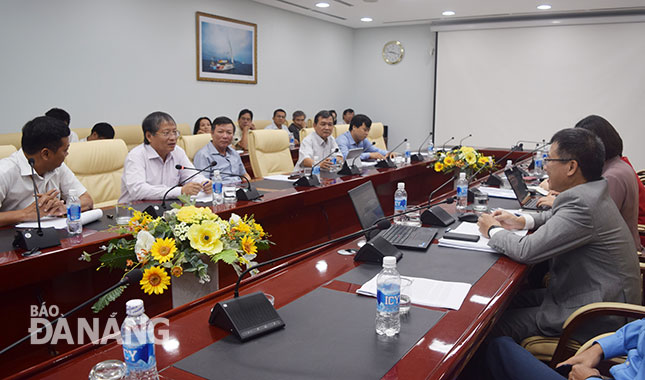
[
  {"x": 314, "y": 146},
  {"x": 17, "y": 190},
  {"x": 273, "y": 126},
  {"x": 146, "y": 176}
]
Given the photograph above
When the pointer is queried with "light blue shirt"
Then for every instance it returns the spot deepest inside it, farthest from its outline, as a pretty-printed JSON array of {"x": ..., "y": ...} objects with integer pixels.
[
  {"x": 346, "y": 143},
  {"x": 231, "y": 162},
  {"x": 628, "y": 340}
]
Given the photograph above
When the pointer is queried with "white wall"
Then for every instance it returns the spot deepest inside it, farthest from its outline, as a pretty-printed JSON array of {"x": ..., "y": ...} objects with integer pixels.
[
  {"x": 398, "y": 95},
  {"x": 119, "y": 60}
]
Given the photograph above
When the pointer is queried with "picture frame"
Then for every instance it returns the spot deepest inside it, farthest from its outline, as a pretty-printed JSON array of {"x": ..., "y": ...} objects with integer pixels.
[{"x": 226, "y": 49}]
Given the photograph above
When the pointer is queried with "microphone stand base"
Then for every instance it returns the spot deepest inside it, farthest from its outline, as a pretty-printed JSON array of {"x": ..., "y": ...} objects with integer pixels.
[
  {"x": 31, "y": 238},
  {"x": 374, "y": 250},
  {"x": 418, "y": 157},
  {"x": 437, "y": 216},
  {"x": 349, "y": 170},
  {"x": 307, "y": 181},
  {"x": 247, "y": 316},
  {"x": 494, "y": 180},
  {"x": 387, "y": 163},
  {"x": 247, "y": 194}
]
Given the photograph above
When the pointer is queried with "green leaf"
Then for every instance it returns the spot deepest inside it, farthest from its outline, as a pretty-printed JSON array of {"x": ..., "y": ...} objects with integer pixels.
[
  {"x": 228, "y": 256},
  {"x": 106, "y": 299},
  {"x": 117, "y": 258}
]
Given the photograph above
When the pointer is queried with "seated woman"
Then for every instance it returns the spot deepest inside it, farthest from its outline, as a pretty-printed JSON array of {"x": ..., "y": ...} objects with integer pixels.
[{"x": 202, "y": 125}]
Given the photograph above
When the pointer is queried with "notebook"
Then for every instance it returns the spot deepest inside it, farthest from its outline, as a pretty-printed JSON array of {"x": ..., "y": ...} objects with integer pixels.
[{"x": 527, "y": 201}]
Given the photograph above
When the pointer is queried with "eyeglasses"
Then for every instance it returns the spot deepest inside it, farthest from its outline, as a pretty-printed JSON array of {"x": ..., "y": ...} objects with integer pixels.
[
  {"x": 548, "y": 159},
  {"x": 174, "y": 133}
]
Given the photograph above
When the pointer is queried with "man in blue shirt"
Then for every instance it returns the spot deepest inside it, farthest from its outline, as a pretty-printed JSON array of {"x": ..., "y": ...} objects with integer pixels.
[
  {"x": 229, "y": 162},
  {"x": 507, "y": 360},
  {"x": 356, "y": 137}
]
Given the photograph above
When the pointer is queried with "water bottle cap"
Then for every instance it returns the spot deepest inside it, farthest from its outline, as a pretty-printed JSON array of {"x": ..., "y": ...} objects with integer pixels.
[
  {"x": 400, "y": 185},
  {"x": 72, "y": 192},
  {"x": 215, "y": 172},
  {"x": 389, "y": 262},
  {"x": 509, "y": 162},
  {"x": 462, "y": 175},
  {"x": 134, "y": 307}
]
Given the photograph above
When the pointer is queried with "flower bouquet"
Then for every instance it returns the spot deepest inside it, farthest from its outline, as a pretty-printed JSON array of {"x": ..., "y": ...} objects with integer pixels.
[
  {"x": 464, "y": 158},
  {"x": 176, "y": 243}
]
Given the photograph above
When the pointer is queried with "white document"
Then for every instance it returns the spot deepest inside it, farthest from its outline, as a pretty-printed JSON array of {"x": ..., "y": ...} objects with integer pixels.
[
  {"x": 280, "y": 177},
  {"x": 427, "y": 292},
  {"x": 497, "y": 193},
  {"x": 61, "y": 223},
  {"x": 202, "y": 197},
  {"x": 472, "y": 229}
]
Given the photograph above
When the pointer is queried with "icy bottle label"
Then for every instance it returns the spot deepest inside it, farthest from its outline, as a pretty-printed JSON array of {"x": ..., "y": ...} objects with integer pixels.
[
  {"x": 400, "y": 204},
  {"x": 74, "y": 212},
  {"x": 217, "y": 187},
  {"x": 462, "y": 191},
  {"x": 387, "y": 302}
]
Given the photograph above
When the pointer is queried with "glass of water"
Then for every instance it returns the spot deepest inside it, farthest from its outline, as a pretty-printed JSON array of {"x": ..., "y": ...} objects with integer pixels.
[
  {"x": 123, "y": 213},
  {"x": 108, "y": 370},
  {"x": 229, "y": 193},
  {"x": 406, "y": 302},
  {"x": 480, "y": 203}
]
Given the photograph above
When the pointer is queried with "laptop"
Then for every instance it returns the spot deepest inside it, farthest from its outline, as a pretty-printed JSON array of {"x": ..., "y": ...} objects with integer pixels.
[
  {"x": 369, "y": 211},
  {"x": 527, "y": 201}
]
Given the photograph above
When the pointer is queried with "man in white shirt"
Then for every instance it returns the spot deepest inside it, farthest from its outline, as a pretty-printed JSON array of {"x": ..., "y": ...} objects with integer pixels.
[
  {"x": 279, "y": 119},
  {"x": 62, "y": 115},
  {"x": 319, "y": 144},
  {"x": 45, "y": 141},
  {"x": 149, "y": 169}
]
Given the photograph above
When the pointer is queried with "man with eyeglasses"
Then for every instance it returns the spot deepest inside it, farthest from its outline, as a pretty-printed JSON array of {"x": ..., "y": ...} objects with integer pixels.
[
  {"x": 149, "y": 169},
  {"x": 584, "y": 237},
  {"x": 229, "y": 162}
]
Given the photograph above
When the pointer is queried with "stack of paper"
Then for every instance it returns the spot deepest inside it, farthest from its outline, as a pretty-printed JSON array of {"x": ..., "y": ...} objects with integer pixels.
[
  {"x": 471, "y": 229},
  {"x": 426, "y": 292},
  {"x": 498, "y": 193},
  {"x": 280, "y": 177},
  {"x": 60, "y": 223}
]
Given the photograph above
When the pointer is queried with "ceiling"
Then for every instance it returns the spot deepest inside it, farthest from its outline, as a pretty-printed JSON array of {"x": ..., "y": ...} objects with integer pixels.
[{"x": 408, "y": 12}]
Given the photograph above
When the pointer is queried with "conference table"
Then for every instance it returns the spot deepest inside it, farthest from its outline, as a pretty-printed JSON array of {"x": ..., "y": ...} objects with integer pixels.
[{"x": 296, "y": 218}]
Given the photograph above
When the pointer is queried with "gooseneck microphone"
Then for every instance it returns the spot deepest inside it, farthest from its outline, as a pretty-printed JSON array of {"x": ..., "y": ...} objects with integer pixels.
[
  {"x": 312, "y": 180},
  {"x": 29, "y": 239},
  {"x": 494, "y": 179},
  {"x": 448, "y": 201},
  {"x": 387, "y": 162},
  {"x": 419, "y": 157},
  {"x": 443, "y": 147},
  {"x": 131, "y": 278},
  {"x": 181, "y": 183},
  {"x": 462, "y": 140}
]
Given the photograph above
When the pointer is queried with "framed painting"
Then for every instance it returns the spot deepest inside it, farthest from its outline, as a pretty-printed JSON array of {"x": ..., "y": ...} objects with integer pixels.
[{"x": 226, "y": 49}]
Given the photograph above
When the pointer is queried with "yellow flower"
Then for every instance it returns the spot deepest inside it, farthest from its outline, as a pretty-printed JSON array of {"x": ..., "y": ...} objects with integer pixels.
[
  {"x": 438, "y": 166},
  {"x": 187, "y": 214},
  {"x": 205, "y": 237},
  {"x": 449, "y": 161},
  {"x": 155, "y": 280},
  {"x": 139, "y": 220},
  {"x": 470, "y": 158},
  {"x": 243, "y": 227},
  {"x": 259, "y": 229},
  {"x": 163, "y": 249},
  {"x": 248, "y": 245},
  {"x": 482, "y": 160},
  {"x": 177, "y": 271},
  {"x": 467, "y": 149}
]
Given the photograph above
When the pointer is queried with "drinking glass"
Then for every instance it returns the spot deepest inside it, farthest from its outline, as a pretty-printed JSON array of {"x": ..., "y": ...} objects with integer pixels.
[
  {"x": 108, "y": 370},
  {"x": 123, "y": 213},
  {"x": 406, "y": 302},
  {"x": 480, "y": 203}
]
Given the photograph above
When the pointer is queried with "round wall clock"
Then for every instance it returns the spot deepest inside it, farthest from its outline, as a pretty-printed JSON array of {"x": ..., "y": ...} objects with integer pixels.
[{"x": 393, "y": 52}]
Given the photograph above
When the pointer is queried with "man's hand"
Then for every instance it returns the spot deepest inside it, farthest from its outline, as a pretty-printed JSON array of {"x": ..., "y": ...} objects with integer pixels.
[
  {"x": 546, "y": 201},
  {"x": 509, "y": 221},
  {"x": 326, "y": 164},
  {"x": 207, "y": 187},
  {"x": 485, "y": 222},
  {"x": 50, "y": 204},
  {"x": 581, "y": 372},
  {"x": 588, "y": 358},
  {"x": 191, "y": 188},
  {"x": 376, "y": 156}
]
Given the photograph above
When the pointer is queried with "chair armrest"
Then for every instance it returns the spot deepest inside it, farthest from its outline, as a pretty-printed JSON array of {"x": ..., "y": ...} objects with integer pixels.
[{"x": 583, "y": 314}]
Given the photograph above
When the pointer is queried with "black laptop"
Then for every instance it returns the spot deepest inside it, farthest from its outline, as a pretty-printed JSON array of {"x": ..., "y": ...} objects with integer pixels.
[
  {"x": 369, "y": 211},
  {"x": 524, "y": 196}
]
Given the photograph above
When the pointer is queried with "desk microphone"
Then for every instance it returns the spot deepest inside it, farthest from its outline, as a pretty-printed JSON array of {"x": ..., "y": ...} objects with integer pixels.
[
  {"x": 494, "y": 179},
  {"x": 180, "y": 167},
  {"x": 443, "y": 147},
  {"x": 436, "y": 215},
  {"x": 520, "y": 144},
  {"x": 387, "y": 162},
  {"x": 352, "y": 169},
  {"x": 42, "y": 237},
  {"x": 130, "y": 278},
  {"x": 252, "y": 315},
  {"x": 418, "y": 156},
  {"x": 247, "y": 194},
  {"x": 312, "y": 180},
  {"x": 448, "y": 200},
  {"x": 462, "y": 140}
]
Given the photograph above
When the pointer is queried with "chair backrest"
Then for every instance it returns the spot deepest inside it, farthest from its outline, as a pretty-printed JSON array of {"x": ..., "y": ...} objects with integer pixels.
[
  {"x": 14, "y": 139},
  {"x": 376, "y": 134},
  {"x": 184, "y": 129},
  {"x": 82, "y": 132},
  {"x": 193, "y": 143},
  {"x": 339, "y": 129},
  {"x": 310, "y": 123},
  {"x": 6, "y": 150},
  {"x": 304, "y": 132},
  {"x": 132, "y": 135},
  {"x": 99, "y": 165},
  {"x": 261, "y": 124},
  {"x": 269, "y": 152}
]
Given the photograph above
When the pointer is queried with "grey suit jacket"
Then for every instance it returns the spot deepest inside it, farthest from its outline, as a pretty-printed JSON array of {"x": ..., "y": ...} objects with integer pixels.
[{"x": 591, "y": 253}]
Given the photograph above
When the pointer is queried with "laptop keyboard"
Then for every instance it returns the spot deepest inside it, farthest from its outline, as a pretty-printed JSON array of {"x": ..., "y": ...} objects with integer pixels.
[
  {"x": 398, "y": 233},
  {"x": 532, "y": 203}
]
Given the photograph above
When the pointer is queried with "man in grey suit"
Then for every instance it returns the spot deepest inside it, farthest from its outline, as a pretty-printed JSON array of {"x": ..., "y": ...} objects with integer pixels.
[{"x": 584, "y": 237}]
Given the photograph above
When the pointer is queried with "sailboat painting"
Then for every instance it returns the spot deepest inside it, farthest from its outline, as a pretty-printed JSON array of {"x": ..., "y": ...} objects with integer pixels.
[{"x": 226, "y": 49}]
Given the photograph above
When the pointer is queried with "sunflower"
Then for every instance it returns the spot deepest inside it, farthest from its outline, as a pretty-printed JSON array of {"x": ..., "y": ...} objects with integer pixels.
[
  {"x": 259, "y": 229},
  {"x": 205, "y": 237},
  {"x": 177, "y": 271},
  {"x": 242, "y": 227},
  {"x": 449, "y": 161},
  {"x": 248, "y": 245},
  {"x": 139, "y": 220},
  {"x": 155, "y": 280},
  {"x": 482, "y": 160},
  {"x": 438, "y": 166},
  {"x": 163, "y": 249}
]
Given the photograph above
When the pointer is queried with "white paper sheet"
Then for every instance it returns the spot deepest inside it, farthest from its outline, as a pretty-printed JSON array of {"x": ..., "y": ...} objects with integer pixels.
[
  {"x": 471, "y": 229},
  {"x": 498, "y": 193},
  {"x": 61, "y": 223},
  {"x": 427, "y": 292},
  {"x": 280, "y": 177}
]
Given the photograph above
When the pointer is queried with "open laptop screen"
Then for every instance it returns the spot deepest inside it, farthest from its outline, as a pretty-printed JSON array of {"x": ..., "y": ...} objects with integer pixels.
[
  {"x": 517, "y": 184},
  {"x": 366, "y": 204}
]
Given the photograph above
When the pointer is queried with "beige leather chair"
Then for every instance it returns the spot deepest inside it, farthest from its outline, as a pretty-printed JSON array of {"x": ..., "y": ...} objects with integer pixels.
[
  {"x": 376, "y": 134},
  {"x": 14, "y": 139},
  {"x": 261, "y": 124},
  {"x": 132, "y": 135},
  {"x": 269, "y": 152},
  {"x": 184, "y": 129},
  {"x": 99, "y": 166},
  {"x": 82, "y": 132},
  {"x": 304, "y": 132},
  {"x": 339, "y": 129},
  {"x": 6, "y": 150},
  {"x": 193, "y": 143},
  {"x": 310, "y": 123}
]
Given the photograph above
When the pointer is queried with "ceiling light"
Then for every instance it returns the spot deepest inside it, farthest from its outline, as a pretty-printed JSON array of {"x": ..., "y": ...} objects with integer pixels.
[
  {"x": 322, "y": 5},
  {"x": 366, "y": 19},
  {"x": 544, "y": 7},
  {"x": 448, "y": 13}
]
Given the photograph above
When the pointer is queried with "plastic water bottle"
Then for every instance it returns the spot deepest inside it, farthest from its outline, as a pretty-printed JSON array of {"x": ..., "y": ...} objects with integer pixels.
[
  {"x": 316, "y": 170},
  {"x": 400, "y": 202},
  {"x": 462, "y": 193},
  {"x": 74, "y": 225},
  {"x": 407, "y": 152},
  {"x": 137, "y": 334},
  {"x": 292, "y": 142},
  {"x": 505, "y": 183},
  {"x": 539, "y": 163},
  {"x": 430, "y": 150},
  {"x": 218, "y": 197},
  {"x": 388, "y": 296}
]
